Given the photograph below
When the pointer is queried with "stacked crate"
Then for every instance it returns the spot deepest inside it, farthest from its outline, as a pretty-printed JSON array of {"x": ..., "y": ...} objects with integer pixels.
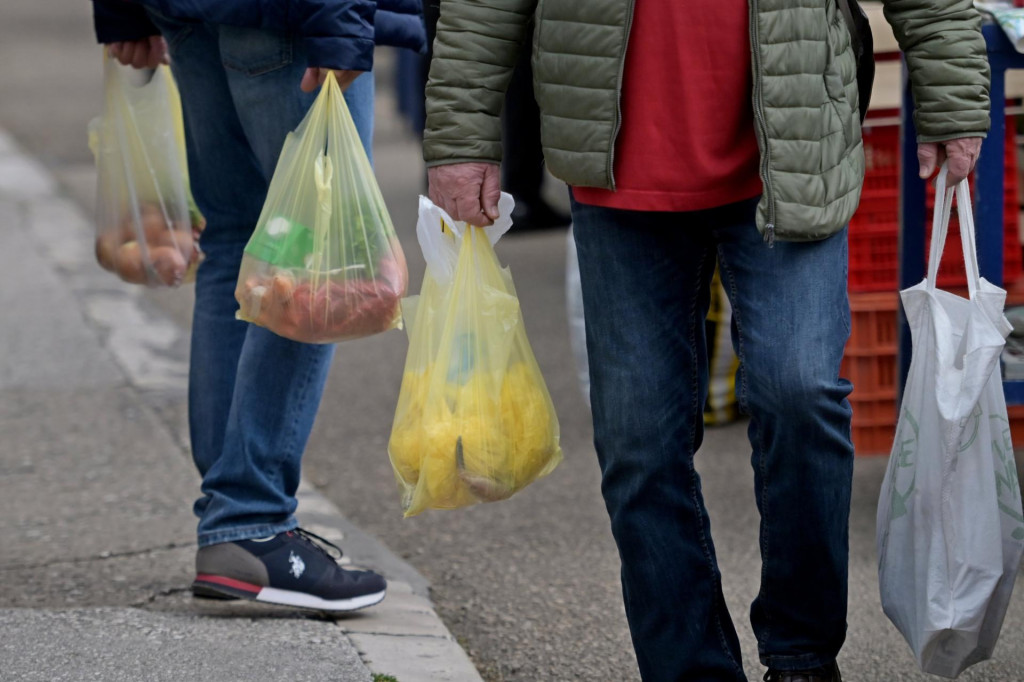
[
  {"x": 874, "y": 229},
  {"x": 871, "y": 364},
  {"x": 871, "y": 361}
]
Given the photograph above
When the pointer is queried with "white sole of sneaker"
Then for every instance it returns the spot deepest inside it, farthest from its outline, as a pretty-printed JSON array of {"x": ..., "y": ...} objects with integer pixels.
[{"x": 273, "y": 595}]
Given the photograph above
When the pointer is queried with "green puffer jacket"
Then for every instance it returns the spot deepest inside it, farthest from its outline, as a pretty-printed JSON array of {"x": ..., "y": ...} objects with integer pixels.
[{"x": 805, "y": 93}]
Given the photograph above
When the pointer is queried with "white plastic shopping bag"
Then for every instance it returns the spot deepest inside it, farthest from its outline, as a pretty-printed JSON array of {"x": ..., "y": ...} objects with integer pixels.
[{"x": 950, "y": 532}]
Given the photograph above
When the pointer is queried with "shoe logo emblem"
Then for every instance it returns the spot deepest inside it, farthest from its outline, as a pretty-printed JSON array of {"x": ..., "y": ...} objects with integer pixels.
[{"x": 298, "y": 565}]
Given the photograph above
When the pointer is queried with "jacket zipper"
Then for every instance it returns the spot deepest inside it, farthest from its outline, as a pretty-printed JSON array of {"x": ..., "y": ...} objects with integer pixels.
[
  {"x": 762, "y": 127},
  {"x": 618, "y": 95}
]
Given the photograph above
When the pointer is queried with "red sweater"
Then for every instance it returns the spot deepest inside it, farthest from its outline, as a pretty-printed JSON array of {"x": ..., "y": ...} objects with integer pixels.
[{"x": 687, "y": 138}]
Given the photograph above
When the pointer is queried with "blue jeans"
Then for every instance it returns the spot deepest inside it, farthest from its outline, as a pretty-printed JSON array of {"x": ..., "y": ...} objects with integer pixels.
[
  {"x": 253, "y": 395},
  {"x": 646, "y": 279}
]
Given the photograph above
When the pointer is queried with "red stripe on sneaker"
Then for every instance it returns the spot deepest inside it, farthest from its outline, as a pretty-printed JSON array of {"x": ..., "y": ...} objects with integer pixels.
[{"x": 228, "y": 582}]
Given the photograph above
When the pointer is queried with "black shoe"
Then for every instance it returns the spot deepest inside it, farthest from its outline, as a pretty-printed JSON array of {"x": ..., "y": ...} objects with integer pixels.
[
  {"x": 291, "y": 568},
  {"x": 537, "y": 214},
  {"x": 826, "y": 673}
]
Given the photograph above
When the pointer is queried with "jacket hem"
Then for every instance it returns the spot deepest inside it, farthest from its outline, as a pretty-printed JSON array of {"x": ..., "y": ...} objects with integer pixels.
[{"x": 448, "y": 162}]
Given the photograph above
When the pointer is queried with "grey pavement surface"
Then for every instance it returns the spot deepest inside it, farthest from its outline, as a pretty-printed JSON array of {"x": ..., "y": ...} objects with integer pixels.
[
  {"x": 94, "y": 434},
  {"x": 127, "y": 645}
]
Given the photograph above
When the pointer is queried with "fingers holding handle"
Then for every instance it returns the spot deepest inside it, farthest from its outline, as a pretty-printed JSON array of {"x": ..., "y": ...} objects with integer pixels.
[{"x": 467, "y": 191}]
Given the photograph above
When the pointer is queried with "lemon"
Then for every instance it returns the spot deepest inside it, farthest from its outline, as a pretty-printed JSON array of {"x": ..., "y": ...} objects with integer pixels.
[{"x": 472, "y": 441}]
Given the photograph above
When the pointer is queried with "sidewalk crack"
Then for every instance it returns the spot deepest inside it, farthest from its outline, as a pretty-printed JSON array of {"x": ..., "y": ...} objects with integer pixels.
[
  {"x": 169, "y": 592},
  {"x": 102, "y": 556},
  {"x": 421, "y": 635}
]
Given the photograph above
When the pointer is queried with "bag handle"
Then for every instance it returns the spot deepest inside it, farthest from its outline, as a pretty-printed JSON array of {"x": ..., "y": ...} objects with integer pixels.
[{"x": 940, "y": 229}]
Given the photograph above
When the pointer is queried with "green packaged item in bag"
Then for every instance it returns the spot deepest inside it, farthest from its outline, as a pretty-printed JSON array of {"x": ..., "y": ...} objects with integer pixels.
[
  {"x": 323, "y": 264},
  {"x": 284, "y": 244}
]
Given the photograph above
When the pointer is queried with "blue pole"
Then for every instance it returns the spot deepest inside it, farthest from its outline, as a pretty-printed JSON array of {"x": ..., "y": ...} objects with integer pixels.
[
  {"x": 989, "y": 190},
  {"x": 912, "y": 217}
]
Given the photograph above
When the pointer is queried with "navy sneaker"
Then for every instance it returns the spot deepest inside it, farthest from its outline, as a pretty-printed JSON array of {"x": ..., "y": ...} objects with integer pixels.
[
  {"x": 291, "y": 568},
  {"x": 826, "y": 673}
]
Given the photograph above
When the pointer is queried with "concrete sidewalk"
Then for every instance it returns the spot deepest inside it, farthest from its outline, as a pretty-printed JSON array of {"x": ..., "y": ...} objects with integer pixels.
[{"x": 98, "y": 539}]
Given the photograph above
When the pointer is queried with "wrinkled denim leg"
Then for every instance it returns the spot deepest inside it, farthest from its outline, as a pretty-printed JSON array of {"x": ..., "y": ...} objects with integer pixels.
[
  {"x": 253, "y": 396},
  {"x": 791, "y": 320},
  {"x": 646, "y": 282},
  {"x": 645, "y": 287}
]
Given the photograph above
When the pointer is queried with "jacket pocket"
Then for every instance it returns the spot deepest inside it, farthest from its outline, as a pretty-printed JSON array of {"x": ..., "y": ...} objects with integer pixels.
[
  {"x": 838, "y": 48},
  {"x": 538, "y": 23},
  {"x": 254, "y": 51}
]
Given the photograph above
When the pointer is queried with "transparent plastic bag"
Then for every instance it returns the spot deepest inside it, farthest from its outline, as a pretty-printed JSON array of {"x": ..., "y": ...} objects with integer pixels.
[
  {"x": 147, "y": 226},
  {"x": 474, "y": 421},
  {"x": 323, "y": 264}
]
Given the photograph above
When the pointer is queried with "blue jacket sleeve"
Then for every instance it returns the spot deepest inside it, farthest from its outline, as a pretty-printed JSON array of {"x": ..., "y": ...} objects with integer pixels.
[
  {"x": 117, "y": 20},
  {"x": 400, "y": 29},
  {"x": 338, "y": 34}
]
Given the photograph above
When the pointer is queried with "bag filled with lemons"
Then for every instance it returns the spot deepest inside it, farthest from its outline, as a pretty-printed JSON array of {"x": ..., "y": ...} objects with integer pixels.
[{"x": 474, "y": 421}]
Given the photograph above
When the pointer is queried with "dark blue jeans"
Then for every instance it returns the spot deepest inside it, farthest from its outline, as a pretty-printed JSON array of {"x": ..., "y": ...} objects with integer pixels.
[
  {"x": 646, "y": 279},
  {"x": 253, "y": 395}
]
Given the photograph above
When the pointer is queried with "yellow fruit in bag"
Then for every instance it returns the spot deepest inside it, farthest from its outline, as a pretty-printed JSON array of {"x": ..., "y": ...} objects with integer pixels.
[
  {"x": 527, "y": 418},
  {"x": 407, "y": 437},
  {"x": 439, "y": 478},
  {"x": 405, "y": 453},
  {"x": 147, "y": 225},
  {"x": 496, "y": 441},
  {"x": 474, "y": 421},
  {"x": 482, "y": 456},
  {"x": 512, "y": 446}
]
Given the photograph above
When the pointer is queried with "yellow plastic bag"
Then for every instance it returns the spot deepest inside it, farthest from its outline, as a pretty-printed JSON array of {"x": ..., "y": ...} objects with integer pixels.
[
  {"x": 147, "y": 226},
  {"x": 323, "y": 264},
  {"x": 474, "y": 421}
]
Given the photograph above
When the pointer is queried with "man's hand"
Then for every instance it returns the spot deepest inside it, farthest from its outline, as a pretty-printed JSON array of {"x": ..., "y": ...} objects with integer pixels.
[
  {"x": 962, "y": 154},
  {"x": 467, "y": 191},
  {"x": 147, "y": 53},
  {"x": 315, "y": 77}
]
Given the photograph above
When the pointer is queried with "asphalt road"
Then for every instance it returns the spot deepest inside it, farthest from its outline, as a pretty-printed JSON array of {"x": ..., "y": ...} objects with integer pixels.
[{"x": 529, "y": 586}]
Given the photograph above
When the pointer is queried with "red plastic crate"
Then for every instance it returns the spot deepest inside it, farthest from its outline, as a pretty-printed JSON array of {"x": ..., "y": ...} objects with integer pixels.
[
  {"x": 874, "y": 229},
  {"x": 872, "y": 439},
  {"x": 871, "y": 375},
  {"x": 880, "y": 411},
  {"x": 874, "y": 257},
  {"x": 876, "y": 438},
  {"x": 1016, "y": 414},
  {"x": 873, "y": 323},
  {"x": 870, "y": 364}
]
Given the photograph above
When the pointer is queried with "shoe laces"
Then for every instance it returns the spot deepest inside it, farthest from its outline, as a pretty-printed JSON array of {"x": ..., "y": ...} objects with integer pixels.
[{"x": 321, "y": 544}]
